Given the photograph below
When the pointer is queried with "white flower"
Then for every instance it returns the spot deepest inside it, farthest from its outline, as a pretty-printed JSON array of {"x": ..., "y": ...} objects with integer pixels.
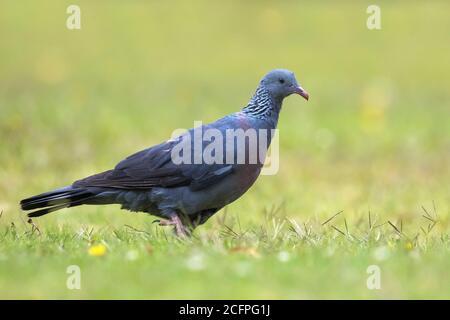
[
  {"x": 381, "y": 253},
  {"x": 284, "y": 256},
  {"x": 196, "y": 262},
  {"x": 132, "y": 255}
]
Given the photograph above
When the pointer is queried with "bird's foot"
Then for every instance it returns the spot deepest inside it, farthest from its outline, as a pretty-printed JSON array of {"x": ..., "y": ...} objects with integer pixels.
[
  {"x": 163, "y": 222},
  {"x": 180, "y": 229}
]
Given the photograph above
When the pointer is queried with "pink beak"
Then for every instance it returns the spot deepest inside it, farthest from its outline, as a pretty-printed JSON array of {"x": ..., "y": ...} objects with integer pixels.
[{"x": 299, "y": 90}]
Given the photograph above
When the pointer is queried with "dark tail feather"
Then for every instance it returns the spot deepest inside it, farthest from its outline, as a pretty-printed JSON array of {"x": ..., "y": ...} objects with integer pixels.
[{"x": 55, "y": 200}]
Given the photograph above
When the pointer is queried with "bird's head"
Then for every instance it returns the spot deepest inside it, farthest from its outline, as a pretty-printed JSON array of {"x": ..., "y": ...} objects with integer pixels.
[{"x": 282, "y": 83}]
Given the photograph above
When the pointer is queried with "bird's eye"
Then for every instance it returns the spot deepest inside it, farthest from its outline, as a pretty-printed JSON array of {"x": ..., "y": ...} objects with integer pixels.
[{"x": 281, "y": 80}]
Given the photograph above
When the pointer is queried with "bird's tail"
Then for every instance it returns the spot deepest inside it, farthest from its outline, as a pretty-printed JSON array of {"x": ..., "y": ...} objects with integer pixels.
[{"x": 55, "y": 200}]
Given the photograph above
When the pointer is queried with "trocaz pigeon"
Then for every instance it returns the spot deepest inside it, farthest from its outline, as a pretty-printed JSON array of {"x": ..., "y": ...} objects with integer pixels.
[{"x": 185, "y": 180}]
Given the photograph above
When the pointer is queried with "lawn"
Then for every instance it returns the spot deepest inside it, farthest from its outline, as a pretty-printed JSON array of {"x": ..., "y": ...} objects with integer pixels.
[{"x": 364, "y": 171}]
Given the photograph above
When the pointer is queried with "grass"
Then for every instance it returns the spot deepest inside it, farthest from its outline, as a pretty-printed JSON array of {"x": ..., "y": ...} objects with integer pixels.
[
  {"x": 374, "y": 138},
  {"x": 280, "y": 258}
]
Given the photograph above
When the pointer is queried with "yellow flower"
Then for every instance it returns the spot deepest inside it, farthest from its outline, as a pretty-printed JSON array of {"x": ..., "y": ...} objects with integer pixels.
[
  {"x": 409, "y": 245},
  {"x": 250, "y": 251},
  {"x": 97, "y": 250},
  {"x": 375, "y": 99}
]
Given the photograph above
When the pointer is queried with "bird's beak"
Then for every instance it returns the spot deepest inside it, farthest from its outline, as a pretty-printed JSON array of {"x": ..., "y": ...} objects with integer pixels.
[{"x": 299, "y": 90}]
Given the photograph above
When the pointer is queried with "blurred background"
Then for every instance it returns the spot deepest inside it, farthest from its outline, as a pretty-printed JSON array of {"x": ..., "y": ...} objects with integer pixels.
[{"x": 375, "y": 134}]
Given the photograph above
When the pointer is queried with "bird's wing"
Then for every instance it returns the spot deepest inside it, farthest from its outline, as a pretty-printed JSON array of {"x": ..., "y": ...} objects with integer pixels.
[{"x": 153, "y": 167}]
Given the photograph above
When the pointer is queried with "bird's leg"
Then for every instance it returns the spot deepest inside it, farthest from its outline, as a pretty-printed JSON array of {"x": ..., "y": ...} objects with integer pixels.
[{"x": 180, "y": 229}]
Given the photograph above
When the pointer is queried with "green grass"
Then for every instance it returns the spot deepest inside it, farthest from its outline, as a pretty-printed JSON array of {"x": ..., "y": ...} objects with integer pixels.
[
  {"x": 373, "y": 138},
  {"x": 276, "y": 258}
]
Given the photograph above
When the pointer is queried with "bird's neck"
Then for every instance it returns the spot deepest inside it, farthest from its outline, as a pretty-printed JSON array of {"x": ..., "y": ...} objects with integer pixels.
[{"x": 263, "y": 105}]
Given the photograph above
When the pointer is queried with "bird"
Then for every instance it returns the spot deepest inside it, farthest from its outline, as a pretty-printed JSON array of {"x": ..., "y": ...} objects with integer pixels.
[{"x": 185, "y": 194}]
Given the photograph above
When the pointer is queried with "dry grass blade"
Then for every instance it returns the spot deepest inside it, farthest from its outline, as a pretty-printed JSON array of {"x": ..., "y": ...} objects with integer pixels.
[
  {"x": 34, "y": 227},
  {"x": 398, "y": 230},
  {"x": 426, "y": 212},
  {"x": 431, "y": 226},
  {"x": 223, "y": 218},
  {"x": 334, "y": 216},
  {"x": 335, "y": 228},
  {"x": 423, "y": 230},
  {"x": 136, "y": 230},
  {"x": 428, "y": 218},
  {"x": 379, "y": 225},
  {"x": 230, "y": 231},
  {"x": 395, "y": 228}
]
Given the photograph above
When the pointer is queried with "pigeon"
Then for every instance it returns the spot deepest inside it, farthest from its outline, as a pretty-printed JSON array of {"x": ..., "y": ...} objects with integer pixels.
[{"x": 178, "y": 181}]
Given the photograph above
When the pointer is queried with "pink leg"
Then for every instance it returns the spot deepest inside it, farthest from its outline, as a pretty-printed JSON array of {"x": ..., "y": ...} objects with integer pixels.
[{"x": 180, "y": 229}]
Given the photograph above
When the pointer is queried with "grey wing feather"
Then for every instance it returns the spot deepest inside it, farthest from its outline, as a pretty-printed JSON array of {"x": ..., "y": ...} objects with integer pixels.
[{"x": 153, "y": 167}]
